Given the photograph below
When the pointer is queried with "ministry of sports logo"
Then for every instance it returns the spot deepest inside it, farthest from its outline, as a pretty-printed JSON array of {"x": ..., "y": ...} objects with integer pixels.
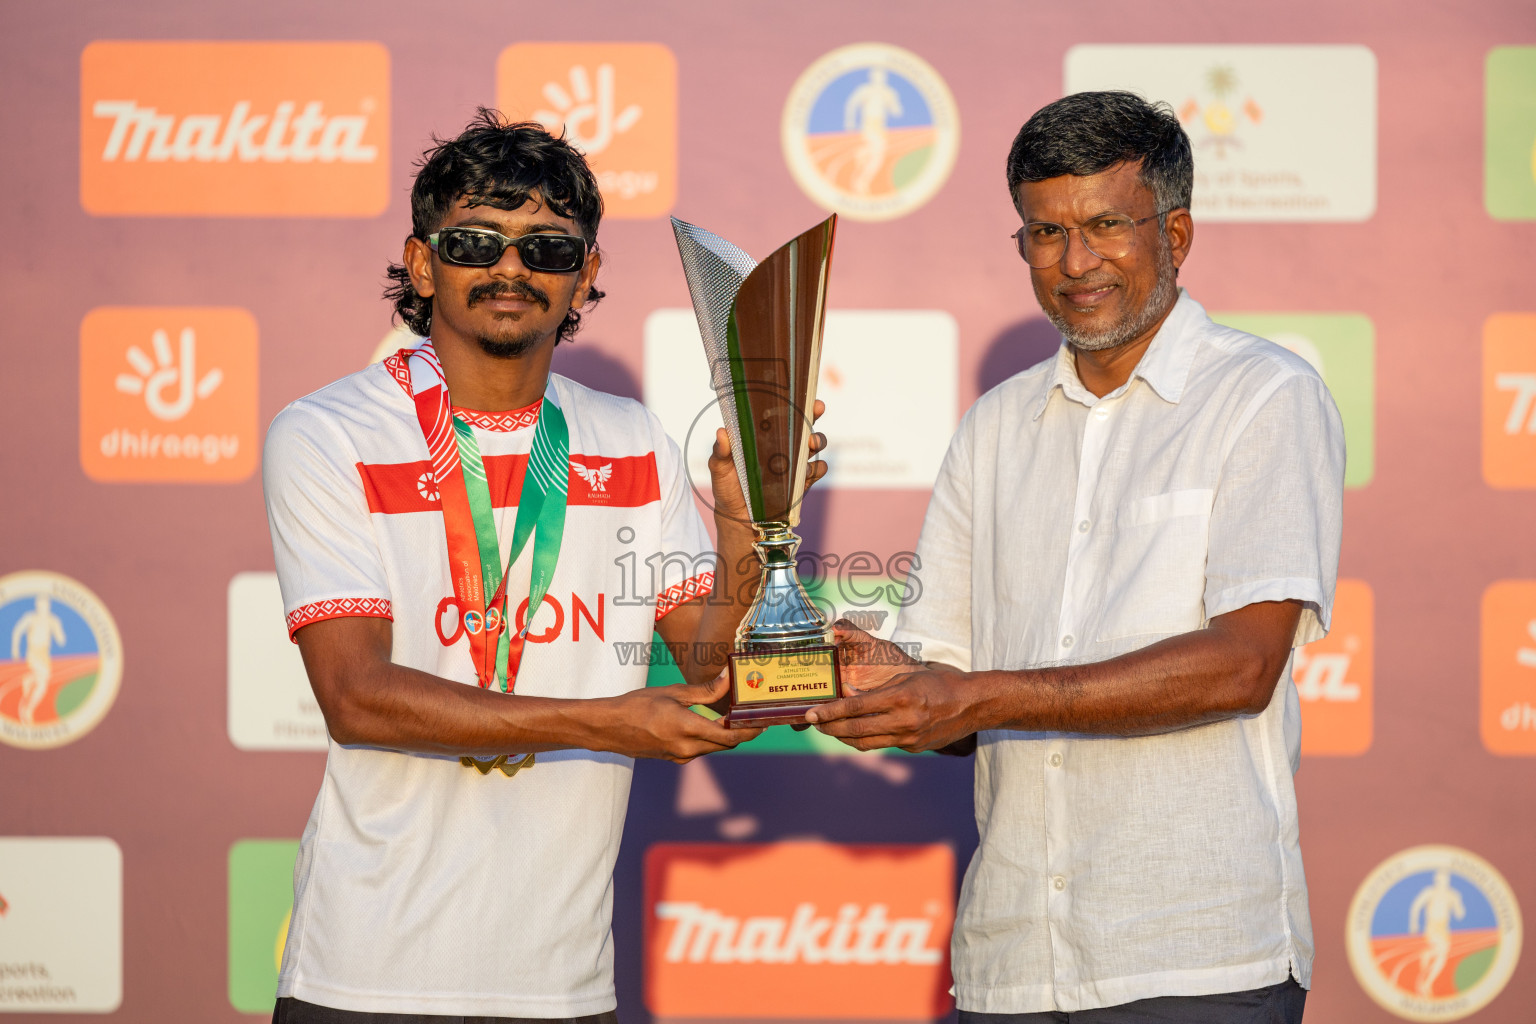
[
  {"x": 1433, "y": 933},
  {"x": 870, "y": 131},
  {"x": 60, "y": 660}
]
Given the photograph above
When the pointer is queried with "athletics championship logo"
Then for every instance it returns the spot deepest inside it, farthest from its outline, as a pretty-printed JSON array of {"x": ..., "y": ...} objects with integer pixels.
[
  {"x": 870, "y": 131},
  {"x": 1433, "y": 933},
  {"x": 60, "y": 660}
]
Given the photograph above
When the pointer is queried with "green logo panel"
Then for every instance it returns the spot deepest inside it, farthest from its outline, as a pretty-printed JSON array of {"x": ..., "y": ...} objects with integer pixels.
[
  {"x": 872, "y": 601},
  {"x": 260, "y": 902},
  {"x": 1509, "y": 138},
  {"x": 1342, "y": 347}
]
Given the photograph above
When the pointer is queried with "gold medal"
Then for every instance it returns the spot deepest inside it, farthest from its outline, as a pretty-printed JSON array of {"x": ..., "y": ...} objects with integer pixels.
[{"x": 497, "y": 763}]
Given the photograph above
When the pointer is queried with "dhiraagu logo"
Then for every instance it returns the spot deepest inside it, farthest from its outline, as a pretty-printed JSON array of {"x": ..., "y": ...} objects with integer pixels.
[
  {"x": 1342, "y": 348},
  {"x": 1509, "y": 138},
  {"x": 168, "y": 394},
  {"x": 615, "y": 102},
  {"x": 260, "y": 906}
]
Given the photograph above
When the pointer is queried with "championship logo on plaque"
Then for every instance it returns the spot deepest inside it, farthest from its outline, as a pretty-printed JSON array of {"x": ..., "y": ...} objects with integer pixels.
[
  {"x": 1433, "y": 933},
  {"x": 870, "y": 131},
  {"x": 60, "y": 660}
]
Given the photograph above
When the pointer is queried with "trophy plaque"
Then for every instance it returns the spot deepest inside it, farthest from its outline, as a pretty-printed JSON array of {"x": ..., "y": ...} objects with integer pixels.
[{"x": 761, "y": 325}]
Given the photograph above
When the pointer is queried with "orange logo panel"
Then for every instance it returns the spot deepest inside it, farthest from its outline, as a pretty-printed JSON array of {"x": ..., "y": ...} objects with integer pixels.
[
  {"x": 1509, "y": 400},
  {"x": 1334, "y": 676},
  {"x": 798, "y": 930},
  {"x": 234, "y": 129},
  {"x": 616, "y": 102},
  {"x": 1509, "y": 667},
  {"x": 168, "y": 394}
]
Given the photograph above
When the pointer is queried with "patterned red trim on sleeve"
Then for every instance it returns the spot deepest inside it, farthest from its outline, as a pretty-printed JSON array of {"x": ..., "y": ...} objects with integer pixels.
[
  {"x": 375, "y": 607},
  {"x": 683, "y": 592}
]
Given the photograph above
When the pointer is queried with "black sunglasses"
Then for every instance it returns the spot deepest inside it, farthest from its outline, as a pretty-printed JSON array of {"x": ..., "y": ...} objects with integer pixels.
[{"x": 482, "y": 247}]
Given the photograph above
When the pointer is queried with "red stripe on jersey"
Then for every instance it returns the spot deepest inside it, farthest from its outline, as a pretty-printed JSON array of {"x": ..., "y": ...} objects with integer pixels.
[
  {"x": 304, "y": 614},
  {"x": 620, "y": 481}
]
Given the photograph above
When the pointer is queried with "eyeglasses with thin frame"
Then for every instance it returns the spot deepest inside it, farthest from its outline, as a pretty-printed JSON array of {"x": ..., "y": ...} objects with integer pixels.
[
  {"x": 1109, "y": 236},
  {"x": 483, "y": 247}
]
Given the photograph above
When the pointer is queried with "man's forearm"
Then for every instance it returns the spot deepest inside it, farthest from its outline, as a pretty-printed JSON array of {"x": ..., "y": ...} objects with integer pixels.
[
  {"x": 368, "y": 700},
  {"x": 403, "y": 708},
  {"x": 1203, "y": 676},
  {"x": 1228, "y": 668},
  {"x": 736, "y": 583}
]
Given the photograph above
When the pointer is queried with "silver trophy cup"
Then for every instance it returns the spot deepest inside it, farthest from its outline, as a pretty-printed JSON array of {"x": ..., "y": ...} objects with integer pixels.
[{"x": 761, "y": 325}]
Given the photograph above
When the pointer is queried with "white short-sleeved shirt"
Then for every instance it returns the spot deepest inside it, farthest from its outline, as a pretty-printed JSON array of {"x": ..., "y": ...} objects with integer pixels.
[
  {"x": 1066, "y": 529},
  {"x": 421, "y": 885}
]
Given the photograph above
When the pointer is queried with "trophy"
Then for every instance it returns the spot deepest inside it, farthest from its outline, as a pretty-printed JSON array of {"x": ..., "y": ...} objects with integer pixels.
[{"x": 761, "y": 326}]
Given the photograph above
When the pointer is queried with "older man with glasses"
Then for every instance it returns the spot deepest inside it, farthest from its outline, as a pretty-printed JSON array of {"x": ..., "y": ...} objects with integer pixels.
[{"x": 1124, "y": 545}]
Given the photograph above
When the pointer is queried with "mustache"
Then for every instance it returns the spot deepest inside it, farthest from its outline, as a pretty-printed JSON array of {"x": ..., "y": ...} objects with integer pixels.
[
  {"x": 507, "y": 289},
  {"x": 1088, "y": 282}
]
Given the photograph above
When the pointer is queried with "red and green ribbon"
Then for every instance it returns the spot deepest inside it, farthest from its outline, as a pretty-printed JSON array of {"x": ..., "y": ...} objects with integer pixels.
[{"x": 474, "y": 554}]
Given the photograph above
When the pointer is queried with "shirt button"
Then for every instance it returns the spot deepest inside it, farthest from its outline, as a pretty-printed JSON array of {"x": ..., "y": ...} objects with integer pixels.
[
  {"x": 1066, "y": 641},
  {"x": 1058, "y": 883},
  {"x": 1082, "y": 527},
  {"x": 1055, "y": 760},
  {"x": 1102, "y": 412}
]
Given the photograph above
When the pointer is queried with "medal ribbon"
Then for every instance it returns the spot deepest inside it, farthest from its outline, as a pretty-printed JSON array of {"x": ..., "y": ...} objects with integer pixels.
[{"x": 474, "y": 555}]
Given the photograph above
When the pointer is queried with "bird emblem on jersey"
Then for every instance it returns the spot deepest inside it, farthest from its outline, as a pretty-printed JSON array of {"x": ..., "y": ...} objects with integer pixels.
[{"x": 595, "y": 478}]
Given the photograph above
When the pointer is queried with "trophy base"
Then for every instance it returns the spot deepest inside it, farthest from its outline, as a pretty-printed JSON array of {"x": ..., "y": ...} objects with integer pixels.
[{"x": 779, "y": 687}]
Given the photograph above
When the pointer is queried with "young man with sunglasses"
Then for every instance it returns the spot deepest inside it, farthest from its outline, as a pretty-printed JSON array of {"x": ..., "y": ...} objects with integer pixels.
[
  {"x": 1124, "y": 545},
  {"x": 457, "y": 532}
]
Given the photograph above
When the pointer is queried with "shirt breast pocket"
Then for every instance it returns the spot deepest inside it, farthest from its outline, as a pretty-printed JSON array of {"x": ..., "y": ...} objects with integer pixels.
[{"x": 1154, "y": 581}]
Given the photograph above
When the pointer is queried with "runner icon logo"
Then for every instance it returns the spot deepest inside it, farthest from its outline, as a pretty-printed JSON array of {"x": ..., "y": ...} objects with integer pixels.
[
  {"x": 1433, "y": 933},
  {"x": 870, "y": 131},
  {"x": 60, "y": 663}
]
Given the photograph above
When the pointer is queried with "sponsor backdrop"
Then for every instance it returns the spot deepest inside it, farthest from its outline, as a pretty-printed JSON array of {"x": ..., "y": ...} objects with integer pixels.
[{"x": 200, "y": 203}]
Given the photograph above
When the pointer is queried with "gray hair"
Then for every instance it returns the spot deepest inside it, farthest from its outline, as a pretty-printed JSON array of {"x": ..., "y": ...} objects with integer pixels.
[{"x": 1090, "y": 132}]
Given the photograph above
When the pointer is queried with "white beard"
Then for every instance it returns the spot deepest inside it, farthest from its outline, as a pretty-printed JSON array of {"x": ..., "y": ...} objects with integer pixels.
[{"x": 1133, "y": 323}]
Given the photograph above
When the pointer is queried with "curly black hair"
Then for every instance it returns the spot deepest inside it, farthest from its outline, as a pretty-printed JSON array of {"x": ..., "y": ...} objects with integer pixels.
[
  {"x": 495, "y": 162},
  {"x": 1089, "y": 132}
]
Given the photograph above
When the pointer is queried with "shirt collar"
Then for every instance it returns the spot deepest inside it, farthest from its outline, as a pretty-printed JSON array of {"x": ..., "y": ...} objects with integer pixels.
[{"x": 1164, "y": 365}]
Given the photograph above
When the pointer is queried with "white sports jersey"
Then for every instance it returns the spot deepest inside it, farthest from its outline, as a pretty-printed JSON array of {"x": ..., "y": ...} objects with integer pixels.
[{"x": 421, "y": 885}]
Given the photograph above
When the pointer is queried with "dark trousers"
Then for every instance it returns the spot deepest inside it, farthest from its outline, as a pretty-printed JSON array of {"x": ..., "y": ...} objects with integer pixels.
[
  {"x": 1277, "y": 1004},
  {"x": 297, "y": 1011}
]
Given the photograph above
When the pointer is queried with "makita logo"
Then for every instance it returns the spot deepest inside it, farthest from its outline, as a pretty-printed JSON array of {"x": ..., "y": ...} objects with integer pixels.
[
  {"x": 854, "y": 935},
  {"x": 227, "y": 128},
  {"x": 274, "y": 136}
]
